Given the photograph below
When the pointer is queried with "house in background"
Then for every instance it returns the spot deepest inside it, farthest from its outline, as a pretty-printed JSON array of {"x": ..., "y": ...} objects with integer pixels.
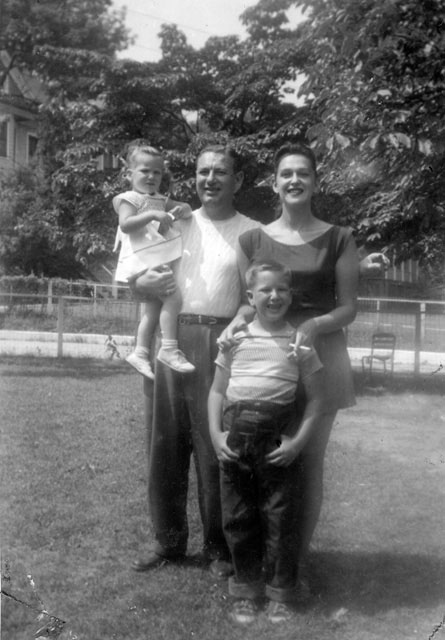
[{"x": 20, "y": 97}]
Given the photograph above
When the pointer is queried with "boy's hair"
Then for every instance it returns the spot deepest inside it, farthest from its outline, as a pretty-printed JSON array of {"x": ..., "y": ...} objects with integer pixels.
[
  {"x": 225, "y": 150},
  {"x": 294, "y": 149},
  {"x": 253, "y": 271}
]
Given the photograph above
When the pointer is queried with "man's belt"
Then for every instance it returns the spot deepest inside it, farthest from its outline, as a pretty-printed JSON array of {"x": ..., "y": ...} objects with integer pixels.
[{"x": 194, "y": 318}]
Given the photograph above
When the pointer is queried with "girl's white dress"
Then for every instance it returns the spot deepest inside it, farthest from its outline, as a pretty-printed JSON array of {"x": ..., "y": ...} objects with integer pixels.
[{"x": 146, "y": 248}]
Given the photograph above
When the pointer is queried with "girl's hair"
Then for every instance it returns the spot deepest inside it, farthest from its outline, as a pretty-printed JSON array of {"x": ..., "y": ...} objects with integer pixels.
[
  {"x": 140, "y": 146},
  {"x": 253, "y": 271},
  {"x": 294, "y": 149},
  {"x": 225, "y": 150}
]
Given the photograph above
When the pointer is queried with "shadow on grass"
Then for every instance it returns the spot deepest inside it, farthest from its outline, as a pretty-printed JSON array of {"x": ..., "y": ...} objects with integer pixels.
[
  {"x": 433, "y": 384},
  {"x": 376, "y": 582},
  {"x": 85, "y": 368}
]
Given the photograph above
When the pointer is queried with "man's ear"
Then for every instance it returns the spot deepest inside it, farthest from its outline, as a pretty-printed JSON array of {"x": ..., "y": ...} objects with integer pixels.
[
  {"x": 239, "y": 177},
  {"x": 249, "y": 295}
]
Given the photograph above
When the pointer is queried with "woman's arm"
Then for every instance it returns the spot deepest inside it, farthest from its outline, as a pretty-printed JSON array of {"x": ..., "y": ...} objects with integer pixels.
[
  {"x": 346, "y": 280},
  {"x": 215, "y": 411},
  {"x": 130, "y": 220}
]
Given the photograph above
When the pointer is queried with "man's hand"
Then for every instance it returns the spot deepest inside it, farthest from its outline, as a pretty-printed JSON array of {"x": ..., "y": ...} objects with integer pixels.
[
  {"x": 158, "y": 282},
  {"x": 373, "y": 265}
]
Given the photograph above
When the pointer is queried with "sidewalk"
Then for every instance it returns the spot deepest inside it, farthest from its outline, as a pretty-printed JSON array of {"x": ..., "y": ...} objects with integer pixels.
[{"x": 77, "y": 345}]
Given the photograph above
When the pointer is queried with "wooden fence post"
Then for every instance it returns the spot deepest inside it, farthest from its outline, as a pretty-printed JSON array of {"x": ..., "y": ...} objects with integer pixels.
[
  {"x": 419, "y": 333},
  {"x": 60, "y": 313}
]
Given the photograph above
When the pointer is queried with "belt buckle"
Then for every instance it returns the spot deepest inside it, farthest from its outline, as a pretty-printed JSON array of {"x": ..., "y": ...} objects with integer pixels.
[{"x": 212, "y": 320}]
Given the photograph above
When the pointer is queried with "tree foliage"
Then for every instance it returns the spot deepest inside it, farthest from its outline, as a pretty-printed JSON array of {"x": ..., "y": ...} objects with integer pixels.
[{"x": 373, "y": 97}]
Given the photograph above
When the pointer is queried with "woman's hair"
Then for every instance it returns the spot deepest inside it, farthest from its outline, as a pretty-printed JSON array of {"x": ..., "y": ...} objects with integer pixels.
[
  {"x": 294, "y": 149},
  {"x": 253, "y": 271},
  {"x": 225, "y": 150}
]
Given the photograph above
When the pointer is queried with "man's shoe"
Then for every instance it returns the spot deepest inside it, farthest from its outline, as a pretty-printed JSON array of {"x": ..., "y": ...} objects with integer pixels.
[
  {"x": 221, "y": 568},
  {"x": 279, "y": 612},
  {"x": 244, "y": 612},
  {"x": 153, "y": 561},
  {"x": 141, "y": 365},
  {"x": 176, "y": 360}
]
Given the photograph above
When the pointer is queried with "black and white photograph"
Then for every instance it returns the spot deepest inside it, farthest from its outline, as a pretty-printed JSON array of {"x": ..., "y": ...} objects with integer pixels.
[{"x": 222, "y": 319}]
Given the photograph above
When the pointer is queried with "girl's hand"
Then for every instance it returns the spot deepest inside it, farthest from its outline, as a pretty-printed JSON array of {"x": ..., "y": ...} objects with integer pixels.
[
  {"x": 223, "y": 453},
  {"x": 180, "y": 211},
  {"x": 165, "y": 220},
  {"x": 285, "y": 454},
  {"x": 228, "y": 339}
]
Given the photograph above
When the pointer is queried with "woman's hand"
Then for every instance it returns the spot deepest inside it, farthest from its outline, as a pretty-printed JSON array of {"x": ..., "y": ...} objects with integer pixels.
[
  {"x": 228, "y": 339},
  {"x": 223, "y": 452},
  {"x": 304, "y": 336},
  {"x": 373, "y": 265},
  {"x": 285, "y": 454}
]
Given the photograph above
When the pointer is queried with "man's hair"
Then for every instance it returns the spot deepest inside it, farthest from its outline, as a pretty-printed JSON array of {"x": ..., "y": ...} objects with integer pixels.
[
  {"x": 253, "y": 272},
  {"x": 294, "y": 149},
  {"x": 225, "y": 150}
]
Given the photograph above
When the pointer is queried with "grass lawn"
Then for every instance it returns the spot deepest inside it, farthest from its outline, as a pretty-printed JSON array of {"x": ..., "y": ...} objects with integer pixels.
[{"x": 74, "y": 515}]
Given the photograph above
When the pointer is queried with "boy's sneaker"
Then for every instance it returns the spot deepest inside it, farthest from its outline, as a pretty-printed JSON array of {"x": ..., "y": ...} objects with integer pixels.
[
  {"x": 279, "y": 612},
  {"x": 244, "y": 612},
  {"x": 175, "y": 359},
  {"x": 141, "y": 365}
]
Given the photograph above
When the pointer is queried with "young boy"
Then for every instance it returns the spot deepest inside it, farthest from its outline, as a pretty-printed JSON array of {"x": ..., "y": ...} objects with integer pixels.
[{"x": 254, "y": 433}]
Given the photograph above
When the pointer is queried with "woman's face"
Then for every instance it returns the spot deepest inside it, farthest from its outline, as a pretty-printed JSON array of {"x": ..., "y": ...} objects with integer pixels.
[{"x": 295, "y": 180}]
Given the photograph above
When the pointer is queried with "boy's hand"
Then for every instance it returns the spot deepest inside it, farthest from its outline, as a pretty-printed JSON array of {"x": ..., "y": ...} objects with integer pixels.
[
  {"x": 223, "y": 453},
  {"x": 285, "y": 454}
]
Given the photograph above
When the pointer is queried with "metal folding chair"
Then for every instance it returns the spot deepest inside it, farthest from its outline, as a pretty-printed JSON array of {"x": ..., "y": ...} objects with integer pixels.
[{"x": 382, "y": 351}]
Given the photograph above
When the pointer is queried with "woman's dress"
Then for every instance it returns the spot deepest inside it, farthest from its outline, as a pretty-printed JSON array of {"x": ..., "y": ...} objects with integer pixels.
[{"x": 314, "y": 293}]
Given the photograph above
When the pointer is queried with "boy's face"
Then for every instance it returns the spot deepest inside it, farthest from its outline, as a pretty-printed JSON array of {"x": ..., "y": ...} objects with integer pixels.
[
  {"x": 145, "y": 173},
  {"x": 271, "y": 296}
]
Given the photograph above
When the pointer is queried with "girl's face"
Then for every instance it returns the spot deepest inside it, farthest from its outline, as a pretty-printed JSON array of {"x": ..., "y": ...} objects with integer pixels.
[
  {"x": 295, "y": 180},
  {"x": 145, "y": 173}
]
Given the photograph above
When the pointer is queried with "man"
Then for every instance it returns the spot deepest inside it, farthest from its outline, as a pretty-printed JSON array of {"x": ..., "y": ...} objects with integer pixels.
[{"x": 177, "y": 421}]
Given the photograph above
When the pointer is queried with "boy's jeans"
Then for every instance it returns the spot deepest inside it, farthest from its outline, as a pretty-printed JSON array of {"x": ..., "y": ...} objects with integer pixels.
[{"x": 259, "y": 502}]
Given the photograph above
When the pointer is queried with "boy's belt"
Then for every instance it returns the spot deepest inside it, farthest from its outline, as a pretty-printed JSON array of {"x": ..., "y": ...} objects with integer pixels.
[{"x": 192, "y": 318}]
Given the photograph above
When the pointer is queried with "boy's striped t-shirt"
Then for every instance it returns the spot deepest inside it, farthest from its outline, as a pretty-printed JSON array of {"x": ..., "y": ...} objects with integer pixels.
[{"x": 259, "y": 367}]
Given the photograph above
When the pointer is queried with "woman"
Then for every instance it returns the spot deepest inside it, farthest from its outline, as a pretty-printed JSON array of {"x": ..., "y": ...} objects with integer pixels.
[{"x": 325, "y": 270}]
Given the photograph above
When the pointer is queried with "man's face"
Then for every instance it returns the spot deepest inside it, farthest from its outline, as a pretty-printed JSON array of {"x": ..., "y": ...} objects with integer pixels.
[{"x": 216, "y": 182}]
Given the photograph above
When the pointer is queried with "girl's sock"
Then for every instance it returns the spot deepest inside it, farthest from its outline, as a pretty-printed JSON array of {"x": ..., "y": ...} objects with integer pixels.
[
  {"x": 142, "y": 352},
  {"x": 169, "y": 345}
]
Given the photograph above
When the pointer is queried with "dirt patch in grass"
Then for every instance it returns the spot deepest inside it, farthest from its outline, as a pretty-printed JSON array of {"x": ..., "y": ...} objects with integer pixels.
[{"x": 74, "y": 515}]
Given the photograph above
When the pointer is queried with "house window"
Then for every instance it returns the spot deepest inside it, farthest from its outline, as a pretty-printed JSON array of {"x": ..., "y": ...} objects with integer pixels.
[
  {"x": 32, "y": 146},
  {"x": 3, "y": 139}
]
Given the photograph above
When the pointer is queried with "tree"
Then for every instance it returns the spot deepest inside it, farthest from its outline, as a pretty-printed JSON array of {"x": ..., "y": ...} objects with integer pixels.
[
  {"x": 375, "y": 84},
  {"x": 67, "y": 44}
]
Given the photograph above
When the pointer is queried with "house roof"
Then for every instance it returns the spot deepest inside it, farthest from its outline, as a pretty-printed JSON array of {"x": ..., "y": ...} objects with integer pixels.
[{"x": 30, "y": 88}]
